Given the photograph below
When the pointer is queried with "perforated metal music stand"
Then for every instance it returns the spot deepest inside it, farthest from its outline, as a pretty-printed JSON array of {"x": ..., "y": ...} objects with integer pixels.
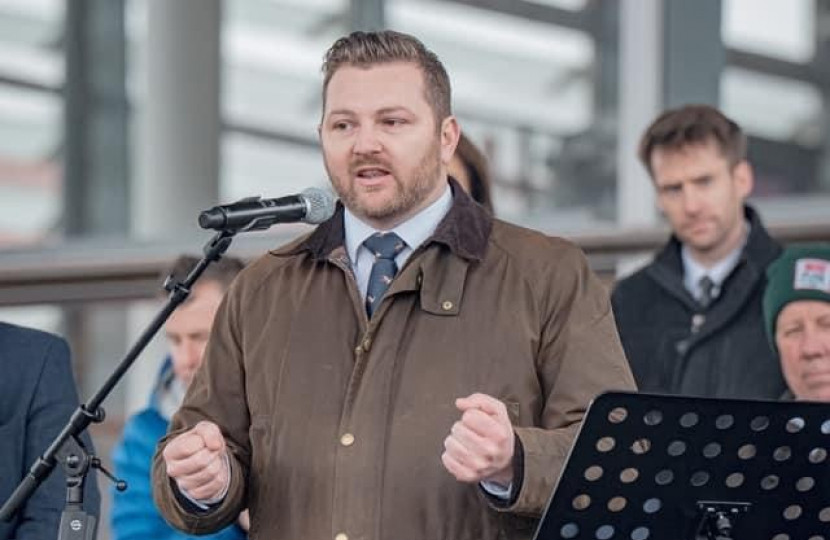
[{"x": 652, "y": 467}]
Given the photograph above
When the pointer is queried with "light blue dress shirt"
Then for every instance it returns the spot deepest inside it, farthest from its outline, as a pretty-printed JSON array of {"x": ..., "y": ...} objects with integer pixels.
[
  {"x": 413, "y": 231},
  {"x": 693, "y": 271}
]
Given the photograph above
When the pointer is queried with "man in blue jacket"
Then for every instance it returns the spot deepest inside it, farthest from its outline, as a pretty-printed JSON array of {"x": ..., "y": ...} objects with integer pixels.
[
  {"x": 37, "y": 397},
  {"x": 134, "y": 516}
]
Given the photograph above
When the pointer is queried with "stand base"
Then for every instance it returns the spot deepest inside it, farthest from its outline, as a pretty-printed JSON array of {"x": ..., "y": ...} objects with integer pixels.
[
  {"x": 718, "y": 518},
  {"x": 76, "y": 525}
]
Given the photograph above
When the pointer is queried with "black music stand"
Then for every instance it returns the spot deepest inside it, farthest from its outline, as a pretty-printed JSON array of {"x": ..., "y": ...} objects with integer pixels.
[{"x": 653, "y": 467}]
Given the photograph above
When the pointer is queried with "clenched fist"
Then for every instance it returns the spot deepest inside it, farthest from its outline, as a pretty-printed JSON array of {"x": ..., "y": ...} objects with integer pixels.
[
  {"x": 197, "y": 461},
  {"x": 480, "y": 445}
]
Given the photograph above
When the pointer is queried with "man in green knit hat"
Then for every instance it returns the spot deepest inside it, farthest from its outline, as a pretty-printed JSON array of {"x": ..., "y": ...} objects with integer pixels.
[{"x": 797, "y": 318}]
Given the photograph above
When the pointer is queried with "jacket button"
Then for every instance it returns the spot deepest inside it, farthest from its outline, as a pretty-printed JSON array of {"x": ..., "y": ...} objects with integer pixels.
[
  {"x": 447, "y": 305},
  {"x": 341, "y": 536},
  {"x": 347, "y": 439},
  {"x": 367, "y": 344},
  {"x": 358, "y": 350}
]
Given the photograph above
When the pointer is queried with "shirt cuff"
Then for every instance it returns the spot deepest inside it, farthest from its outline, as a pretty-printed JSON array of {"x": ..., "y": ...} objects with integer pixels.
[
  {"x": 497, "y": 490},
  {"x": 206, "y": 504}
]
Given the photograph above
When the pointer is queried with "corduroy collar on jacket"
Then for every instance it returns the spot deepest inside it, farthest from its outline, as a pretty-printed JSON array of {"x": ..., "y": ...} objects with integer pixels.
[{"x": 465, "y": 230}]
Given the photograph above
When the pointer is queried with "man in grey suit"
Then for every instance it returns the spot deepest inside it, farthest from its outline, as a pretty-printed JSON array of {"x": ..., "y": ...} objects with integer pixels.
[{"x": 37, "y": 397}]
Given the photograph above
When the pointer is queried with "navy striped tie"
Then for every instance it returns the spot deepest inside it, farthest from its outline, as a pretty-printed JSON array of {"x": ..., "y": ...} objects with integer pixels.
[{"x": 385, "y": 247}]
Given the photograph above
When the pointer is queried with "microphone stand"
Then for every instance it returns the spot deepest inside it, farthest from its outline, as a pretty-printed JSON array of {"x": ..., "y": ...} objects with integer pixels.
[{"x": 67, "y": 447}]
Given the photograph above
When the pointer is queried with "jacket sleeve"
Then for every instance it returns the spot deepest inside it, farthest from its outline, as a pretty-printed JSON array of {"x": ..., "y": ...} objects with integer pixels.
[
  {"x": 217, "y": 394},
  {"x": 55, "y": 399},
  {"x": 579, "y": 357}
]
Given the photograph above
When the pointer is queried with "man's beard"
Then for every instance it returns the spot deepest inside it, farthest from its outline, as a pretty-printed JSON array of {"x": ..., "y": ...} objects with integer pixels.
[{"x": 408, "y": 194}]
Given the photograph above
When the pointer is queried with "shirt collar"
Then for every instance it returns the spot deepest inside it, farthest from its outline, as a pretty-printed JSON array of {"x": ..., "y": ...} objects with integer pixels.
[
  {"x": 413, "y": 231},
  {"x": 465, "y": 230}
]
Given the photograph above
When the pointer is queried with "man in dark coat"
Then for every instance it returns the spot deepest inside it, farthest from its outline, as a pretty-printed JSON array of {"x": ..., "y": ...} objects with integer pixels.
[
  {"x": 37, "y": 397},
  {"x": 691, "y": 321}
]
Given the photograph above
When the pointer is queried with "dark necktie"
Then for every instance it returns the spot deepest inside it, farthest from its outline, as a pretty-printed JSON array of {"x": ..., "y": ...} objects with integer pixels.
[
  {"x": 385, "y": 247},
  {"x": 707, "y": 291}
]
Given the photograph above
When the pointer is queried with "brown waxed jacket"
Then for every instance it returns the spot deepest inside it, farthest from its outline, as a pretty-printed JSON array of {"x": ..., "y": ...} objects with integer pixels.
[{"x": 335, "y": 423}]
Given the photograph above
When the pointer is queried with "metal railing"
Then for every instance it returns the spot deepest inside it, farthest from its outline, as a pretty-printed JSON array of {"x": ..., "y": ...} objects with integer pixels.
[{"x": 113, "y": 270}]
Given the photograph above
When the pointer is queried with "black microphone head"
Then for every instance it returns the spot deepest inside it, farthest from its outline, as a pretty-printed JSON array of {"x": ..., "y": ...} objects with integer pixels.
[{"x": 320, "y": 203}]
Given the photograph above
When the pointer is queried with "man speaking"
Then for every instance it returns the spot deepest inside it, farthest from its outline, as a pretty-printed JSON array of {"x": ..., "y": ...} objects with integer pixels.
[{"x": 413, "y": 368}]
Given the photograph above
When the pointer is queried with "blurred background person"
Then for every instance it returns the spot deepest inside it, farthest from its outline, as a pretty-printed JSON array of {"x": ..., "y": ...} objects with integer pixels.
[
  {"x": 797, "y": 319},
  {"x": 691, "y": 321},
  {"x": 469, "y": 167},
  {"x": 37, "y": 397},
  {"x": 134, "y": 515}
]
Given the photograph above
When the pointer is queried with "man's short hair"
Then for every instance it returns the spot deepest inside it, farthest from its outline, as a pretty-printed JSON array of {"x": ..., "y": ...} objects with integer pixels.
[
  {"x": 221, "y": 272},
  {"x": 367, "y": 49},
  {"x": 691, "y": 125}
]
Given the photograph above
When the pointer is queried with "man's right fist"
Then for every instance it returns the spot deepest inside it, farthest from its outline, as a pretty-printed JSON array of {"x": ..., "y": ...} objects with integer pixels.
[{"x": 197, "y": 461}]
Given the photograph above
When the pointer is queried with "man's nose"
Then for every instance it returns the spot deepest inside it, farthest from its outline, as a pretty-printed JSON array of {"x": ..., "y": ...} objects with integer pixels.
[
  {"x": 691, "y": 201},
  {"x": 366, "y": 141},
  {"x": 192, "y": 354},
  {"x": 812, "y": 345}
]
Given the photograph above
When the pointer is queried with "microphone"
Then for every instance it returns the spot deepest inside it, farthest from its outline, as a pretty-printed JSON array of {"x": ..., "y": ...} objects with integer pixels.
[{"x": 314, "y": 205}]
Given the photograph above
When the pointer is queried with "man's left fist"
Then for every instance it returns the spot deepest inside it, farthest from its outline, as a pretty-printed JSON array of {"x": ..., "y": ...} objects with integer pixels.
[{"x": 481, "y": 443}]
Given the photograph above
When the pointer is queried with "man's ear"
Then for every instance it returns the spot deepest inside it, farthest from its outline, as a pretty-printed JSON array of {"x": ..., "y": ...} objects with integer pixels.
[
  {"x": 450, "y": 133},
  {"x": 744, "y": 178}
]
